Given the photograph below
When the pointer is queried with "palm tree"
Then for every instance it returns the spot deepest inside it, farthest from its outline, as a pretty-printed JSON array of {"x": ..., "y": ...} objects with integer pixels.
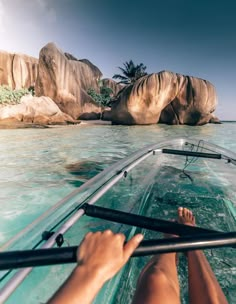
[{"x": 131, "y": 72}]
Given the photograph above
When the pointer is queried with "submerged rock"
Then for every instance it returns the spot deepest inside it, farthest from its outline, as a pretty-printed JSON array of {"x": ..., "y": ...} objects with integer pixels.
[
  {"x": 165, "y": 97},
  {"x": 85, "y": 170}
]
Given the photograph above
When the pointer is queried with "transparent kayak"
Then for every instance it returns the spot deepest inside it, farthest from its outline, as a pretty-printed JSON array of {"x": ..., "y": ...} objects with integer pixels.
[{"x": 152, "y": 182}]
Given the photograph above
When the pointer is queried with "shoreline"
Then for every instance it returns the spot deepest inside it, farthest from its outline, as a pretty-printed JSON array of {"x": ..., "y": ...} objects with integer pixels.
[
  {"x": 22, "y": 125},
  {"x": 95, "y": 122}
]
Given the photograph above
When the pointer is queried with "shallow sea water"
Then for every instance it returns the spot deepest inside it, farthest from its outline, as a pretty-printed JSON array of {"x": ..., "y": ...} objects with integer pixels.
[{"x": 40, "y": 166}]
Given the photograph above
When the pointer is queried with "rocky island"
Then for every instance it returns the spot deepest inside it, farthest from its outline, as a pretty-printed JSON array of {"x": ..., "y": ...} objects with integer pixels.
[{"x": 61, "y": 85}]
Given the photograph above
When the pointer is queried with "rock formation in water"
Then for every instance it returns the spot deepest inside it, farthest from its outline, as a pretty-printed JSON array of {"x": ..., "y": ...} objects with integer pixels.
[
  {"x": 66, "y": 81},
  {"x": 165, "y": 97},
  {"x": 36, "y": 110},
  {"x": 17, "y": 70}
]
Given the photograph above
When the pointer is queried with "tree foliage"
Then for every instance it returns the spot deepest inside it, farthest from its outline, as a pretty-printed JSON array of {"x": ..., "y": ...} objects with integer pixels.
[
  {"x": 102, "y": 99},
  {"x": 131, "y": 72},
  {"x": 9, "y": 96}
]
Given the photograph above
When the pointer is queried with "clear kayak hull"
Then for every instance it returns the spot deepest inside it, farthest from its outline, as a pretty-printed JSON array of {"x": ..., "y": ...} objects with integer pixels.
[{"x": 150, "y": 183}]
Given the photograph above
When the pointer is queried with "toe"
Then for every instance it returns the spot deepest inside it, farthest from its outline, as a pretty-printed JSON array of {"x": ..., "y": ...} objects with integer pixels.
[
  {"x": 185, "y": 213},
  {"x": 190, "y": 215},
  {"x": 180, "y": 211}
]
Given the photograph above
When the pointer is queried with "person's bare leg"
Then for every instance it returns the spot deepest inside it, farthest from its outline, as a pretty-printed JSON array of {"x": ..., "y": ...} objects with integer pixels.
[
  {"x": 203, "y": 285},
  {"x": 158, "y": 281}
]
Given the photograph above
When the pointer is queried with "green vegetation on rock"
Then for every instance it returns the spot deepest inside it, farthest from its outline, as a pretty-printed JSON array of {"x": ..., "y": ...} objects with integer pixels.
[
  {"x": 102, "y": 99},
  {"x": 10, "y": 97}
]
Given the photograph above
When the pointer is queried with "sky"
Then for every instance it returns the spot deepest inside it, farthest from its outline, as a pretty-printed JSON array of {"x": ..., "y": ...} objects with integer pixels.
[{"x": 190, "y": 37}]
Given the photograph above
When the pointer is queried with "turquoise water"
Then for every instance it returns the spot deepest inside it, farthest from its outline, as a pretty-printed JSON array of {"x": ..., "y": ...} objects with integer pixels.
[{"x": 40, "y": 166}]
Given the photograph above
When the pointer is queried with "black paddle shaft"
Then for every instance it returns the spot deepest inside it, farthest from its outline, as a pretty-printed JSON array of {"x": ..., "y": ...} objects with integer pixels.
[
  {"x": 53, "y": 256},
  {"x": 143, "y": 221}
]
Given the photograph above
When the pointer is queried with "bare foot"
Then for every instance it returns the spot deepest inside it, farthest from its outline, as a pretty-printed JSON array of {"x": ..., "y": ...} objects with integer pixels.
[{"x": 186, "y": 217}]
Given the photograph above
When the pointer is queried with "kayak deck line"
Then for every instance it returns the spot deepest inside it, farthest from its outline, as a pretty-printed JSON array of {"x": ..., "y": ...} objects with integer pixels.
[{"x": 116, "y": 172}]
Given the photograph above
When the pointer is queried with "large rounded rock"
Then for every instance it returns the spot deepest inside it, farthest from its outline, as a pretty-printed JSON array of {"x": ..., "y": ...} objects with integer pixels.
[
  {"x": 37, "y": 110},
  {"x": 66, "y": 81},
  {"x": 165, "y": 97},
  {"x": 17, "y": 70}
]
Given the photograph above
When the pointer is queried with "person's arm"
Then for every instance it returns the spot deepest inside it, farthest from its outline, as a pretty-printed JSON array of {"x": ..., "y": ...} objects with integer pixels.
[{"x": 100, "y": 256}]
